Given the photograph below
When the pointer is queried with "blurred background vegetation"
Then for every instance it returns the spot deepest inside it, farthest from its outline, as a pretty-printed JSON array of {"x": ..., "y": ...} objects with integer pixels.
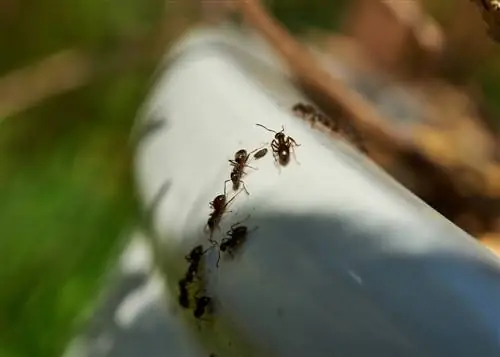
[{"x": 65, "y": 179}]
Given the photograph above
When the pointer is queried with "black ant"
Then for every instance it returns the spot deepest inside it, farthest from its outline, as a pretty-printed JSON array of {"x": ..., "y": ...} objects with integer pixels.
[
  {"x": 239, "y": 163},
  {"x": 236, "y": 236},
  {"x": 194, "y": 258},
  {"x": 218, "y": 205},
  {"x": 260, "y": 154},
  {"x": 183, "y": 293},
  {"x": 281, "y": 145},
  {"x": 202, "y": 303}
]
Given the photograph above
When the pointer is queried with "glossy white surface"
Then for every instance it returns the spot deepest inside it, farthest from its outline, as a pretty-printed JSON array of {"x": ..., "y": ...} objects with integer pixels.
[{"x": 344, "y": 262}]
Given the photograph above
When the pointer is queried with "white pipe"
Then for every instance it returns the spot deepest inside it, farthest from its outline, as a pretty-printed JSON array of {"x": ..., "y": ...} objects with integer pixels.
[{"x": 345, "y": 261}]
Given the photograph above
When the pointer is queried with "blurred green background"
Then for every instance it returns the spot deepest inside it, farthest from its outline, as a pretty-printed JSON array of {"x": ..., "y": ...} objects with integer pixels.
[{"x": 65, "y": 179}]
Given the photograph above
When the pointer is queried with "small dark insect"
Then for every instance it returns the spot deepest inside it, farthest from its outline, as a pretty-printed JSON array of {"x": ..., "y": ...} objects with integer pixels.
[
  {"x": 308, "y": 112},
  {"x": 345, "y": 128},
  {"x": 281, "y": 145},
  {"x": 260, "y": 154},
  {"x": 303, "y": 110},
  {"x": 219, "y": 205},
  {"x": 183, "y": 293},
  {"x": 202, "y": 304},
  {"x": 194, "y": 258},
  {"x": 239, "y": 163},
  {"x": 236, "y": 236}
]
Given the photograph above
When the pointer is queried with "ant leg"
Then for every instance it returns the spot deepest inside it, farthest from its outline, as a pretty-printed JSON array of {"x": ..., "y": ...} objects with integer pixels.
[
  {"x": 232, "y": 198},
  {"x": 293, "y": 141},
  {"x": 206, "y": 229},
  {"x": 276, "y": 162},
  {"x": 245, "y": 187},
  {"x": 218, "y": 260},
  {"x": 250, "y": 167},
  {"x": 213, "y": 242},
  {"x": 225, "y": 186},
  {"x": 294, "y": 156}
]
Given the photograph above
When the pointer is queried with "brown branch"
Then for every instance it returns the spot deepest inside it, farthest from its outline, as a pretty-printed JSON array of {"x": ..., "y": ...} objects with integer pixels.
[
  {"x": 307, "y": 69},
  {"x": 57, "y": 73}
]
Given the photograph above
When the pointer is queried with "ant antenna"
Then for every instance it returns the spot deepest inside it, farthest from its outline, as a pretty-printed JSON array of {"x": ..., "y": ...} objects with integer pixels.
[
  {"x": 218, "y": 258},
  {"x": 271, "y": 130},
  {"x": 262, "y": 126}
]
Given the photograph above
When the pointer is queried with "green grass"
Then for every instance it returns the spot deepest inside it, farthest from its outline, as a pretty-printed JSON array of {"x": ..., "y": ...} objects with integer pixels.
[{"x": 66, "y": 201}]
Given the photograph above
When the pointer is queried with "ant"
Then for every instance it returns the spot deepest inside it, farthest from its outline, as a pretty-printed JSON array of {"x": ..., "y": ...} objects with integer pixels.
[
  {"x": 193, "y": 259},
  {"x": 347, "y": 129},
  {"x": 307, "y": 111},
  {"x": 218, "y": 205},
  {"x": 236, "y": 236},
  {"x": 303, "y": 110},
  {"x": 281, "y": 145},
  {"x": 239, "y": 163},
  {"x": 202, "y": 303},
  {"x": 183, "y": 293}
]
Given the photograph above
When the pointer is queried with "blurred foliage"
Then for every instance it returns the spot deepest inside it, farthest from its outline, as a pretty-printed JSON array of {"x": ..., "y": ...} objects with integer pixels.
[
  {"x": 65, "y": 177},
  {"x": 300, "y": 15}
]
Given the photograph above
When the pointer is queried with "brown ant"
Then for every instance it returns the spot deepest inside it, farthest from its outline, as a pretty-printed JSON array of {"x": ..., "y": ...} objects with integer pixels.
[
  {"x": 239, "y": 163},
  {"x": 347, "y": 129},
  {"x": 303, "y": 110},
  {"x": 281, "y": 145},
  {"x": 260, "y": 154},
  {"x": 236, "y": 236},
  {"x": 202, "y": 303},
  {"x": 219, "y": 205}
]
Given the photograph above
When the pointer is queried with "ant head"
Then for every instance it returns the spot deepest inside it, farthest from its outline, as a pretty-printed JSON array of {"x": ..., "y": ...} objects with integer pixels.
[
  {"x": 299, "y": 107},
  {"x": 240, "y": 155},
  {"x": 280, "y": 136}
]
